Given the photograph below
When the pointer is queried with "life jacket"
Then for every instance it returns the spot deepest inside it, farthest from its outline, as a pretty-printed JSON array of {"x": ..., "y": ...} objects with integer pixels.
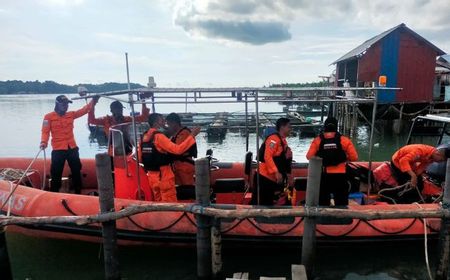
[
  {"x": 151, "y": 157},
  {"x": 282, "y": 163},
  {"x": 189, "y": 154},
  {"x": 331, "y": 151}
]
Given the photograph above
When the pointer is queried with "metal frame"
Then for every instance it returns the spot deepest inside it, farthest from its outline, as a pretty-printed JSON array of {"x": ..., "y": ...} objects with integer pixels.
[{"x": 254, "y": 92}]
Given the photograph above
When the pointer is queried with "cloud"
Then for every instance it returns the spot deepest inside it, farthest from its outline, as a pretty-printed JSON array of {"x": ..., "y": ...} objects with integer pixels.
[
  {"x": 241, "y": 21},
  {"x": 259, "y": 22}
]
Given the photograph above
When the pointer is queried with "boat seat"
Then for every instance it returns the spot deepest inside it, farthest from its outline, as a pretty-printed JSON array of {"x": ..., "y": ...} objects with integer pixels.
[
  {"x": 231, "y": 191},
  {"x": 228, "y": 185}
]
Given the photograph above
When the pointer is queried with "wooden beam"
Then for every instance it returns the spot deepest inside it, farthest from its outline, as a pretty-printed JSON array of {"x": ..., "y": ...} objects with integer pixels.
[{"x": 368, "y": 215}]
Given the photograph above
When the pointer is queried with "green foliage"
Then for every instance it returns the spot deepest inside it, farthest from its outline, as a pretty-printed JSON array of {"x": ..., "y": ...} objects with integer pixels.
[{"x": 21, "y": 87}]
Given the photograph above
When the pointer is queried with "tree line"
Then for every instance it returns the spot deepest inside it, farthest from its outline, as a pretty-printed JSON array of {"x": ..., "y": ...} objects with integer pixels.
[{"x": 37, "y": 87}]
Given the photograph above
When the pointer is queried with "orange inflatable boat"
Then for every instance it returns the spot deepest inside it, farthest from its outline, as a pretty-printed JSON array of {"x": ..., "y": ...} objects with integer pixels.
[{"x": 229, "y": 185}]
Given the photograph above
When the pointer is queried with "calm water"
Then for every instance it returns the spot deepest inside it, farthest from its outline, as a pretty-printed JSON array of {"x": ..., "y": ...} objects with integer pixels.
[{"x": 21, "y": 118}]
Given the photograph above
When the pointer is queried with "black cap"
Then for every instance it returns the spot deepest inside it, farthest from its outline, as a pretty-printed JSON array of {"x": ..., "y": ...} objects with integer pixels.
[
  {"x": 330, "y": 124},
  {"x": 62, "y": 99},
  {"x": 116, "y": 104}
]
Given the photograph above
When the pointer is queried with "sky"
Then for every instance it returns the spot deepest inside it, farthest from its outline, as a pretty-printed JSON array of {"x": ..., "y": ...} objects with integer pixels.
[{"x": 199, "y": 43}]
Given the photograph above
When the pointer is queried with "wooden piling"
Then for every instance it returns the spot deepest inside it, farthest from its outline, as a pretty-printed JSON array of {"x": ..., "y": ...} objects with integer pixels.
[
  {"x": 444, "y": 234},
  {"x": 312, "y": 200},
  {"x": 106, "y": 199},
  {"x": 216, "y": 244},
  {"x": 202, "y": 194},
  {"x": 5, "y": 266}
]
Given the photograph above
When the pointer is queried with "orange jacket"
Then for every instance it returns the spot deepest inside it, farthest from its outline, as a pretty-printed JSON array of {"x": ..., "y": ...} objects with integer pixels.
[
  {"x": 414, "y": 157},
  {"x": 347, "y": 146},
  {"x": 181, "y": 136},
  {"x": 108, "y": 121},
  {"x": 61, "y": 128},
  {"x": 273, "y": 149},
  {"x": 164, "y": 145}
]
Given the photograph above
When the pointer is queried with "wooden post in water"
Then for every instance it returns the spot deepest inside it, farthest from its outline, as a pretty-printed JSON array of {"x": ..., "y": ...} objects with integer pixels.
[
  {"x": 106, "y": 199},
  {"x": 203, "y": 222},
  {"x": 312, "y": 200},
  {"x": 5, "y": 266},
  {"x": 216, "y": 244},
  {"x": 444, "y": 234}
]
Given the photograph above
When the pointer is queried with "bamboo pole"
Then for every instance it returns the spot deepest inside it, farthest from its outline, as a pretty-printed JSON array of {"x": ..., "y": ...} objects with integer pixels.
[
  {"x": 202, "y": 194},
  {"x": 216, "y": 245},
  {"x": 312, "y": 200},
  {"x": 444, "y": 234},
  {"x": 106, "y": 201},
  {"x": 251, "y": 212}
]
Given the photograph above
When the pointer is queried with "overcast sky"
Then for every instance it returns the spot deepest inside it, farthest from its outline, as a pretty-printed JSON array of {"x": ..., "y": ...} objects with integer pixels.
[{"x": 198, "y": 43}]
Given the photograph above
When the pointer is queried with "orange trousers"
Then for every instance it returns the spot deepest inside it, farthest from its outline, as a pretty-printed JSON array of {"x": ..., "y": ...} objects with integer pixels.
[
  {"x": 162, "y": 184},
  {"x": 184, "y": 173}
]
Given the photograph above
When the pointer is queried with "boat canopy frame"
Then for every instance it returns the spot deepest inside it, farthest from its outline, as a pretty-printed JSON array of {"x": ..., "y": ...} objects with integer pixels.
[{"x": 248, "y": 95}]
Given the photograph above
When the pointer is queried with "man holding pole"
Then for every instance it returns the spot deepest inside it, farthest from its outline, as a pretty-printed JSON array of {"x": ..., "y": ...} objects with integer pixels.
[{"x": 59, "y": 124}]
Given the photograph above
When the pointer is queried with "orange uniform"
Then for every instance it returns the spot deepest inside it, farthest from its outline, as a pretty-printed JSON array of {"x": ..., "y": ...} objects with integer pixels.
[
  {"x": 61, "y": 128},
  {"x": 184, "y": 170},
  {"x": 162, "y": 182},
  {"x": 274, "y": 148},
  {"x": 108, "y": 121},
  {"x": 414, "y": 157},
  {"x": 347, "y": 147}
]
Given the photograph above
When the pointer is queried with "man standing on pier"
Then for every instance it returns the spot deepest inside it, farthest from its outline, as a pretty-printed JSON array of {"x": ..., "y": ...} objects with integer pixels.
[
  {"x": 335, "y": 150},
  {"x": 183, "y": 166},
  {"x": 155, "y": 152},
  {"x": 59, "y": 124},
  {"x": 410, "y": 161},
  {"x": 275, "y": 158}
]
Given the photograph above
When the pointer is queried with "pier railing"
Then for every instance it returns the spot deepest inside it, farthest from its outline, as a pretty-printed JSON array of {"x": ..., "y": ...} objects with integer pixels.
[{"x": 208, "y": 236}]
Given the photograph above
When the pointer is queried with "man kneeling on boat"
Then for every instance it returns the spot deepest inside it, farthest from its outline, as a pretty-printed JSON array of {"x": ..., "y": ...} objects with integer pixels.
[
  {"x": 335, "y": 150},
  {"x": 59, "y": 124},
  {"x": 275, "y": 158},
  {"x": 410, "y": 161},
  {"x": 155, "y": 152}
]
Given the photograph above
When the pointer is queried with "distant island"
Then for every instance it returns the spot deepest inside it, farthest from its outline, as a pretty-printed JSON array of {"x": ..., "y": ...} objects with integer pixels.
[{"x": 37, "y": 87}]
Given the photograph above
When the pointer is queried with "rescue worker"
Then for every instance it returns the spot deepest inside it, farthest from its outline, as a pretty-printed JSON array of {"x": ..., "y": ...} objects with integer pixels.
[
  {"x": 183, "y": 166},
  {"x": 411, "y": 161},
  {"x": 275, "y": 158},
  {"x": 155, "y": 152},
  {"x": 117, "y": 116},
  {"x": 59, "y": 124},
  {"x": 335, "y": 150}
]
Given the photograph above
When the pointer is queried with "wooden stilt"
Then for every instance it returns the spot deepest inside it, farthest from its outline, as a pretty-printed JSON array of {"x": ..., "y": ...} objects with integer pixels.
[
  {"x": 312, "y": 200},
  {"x": 106, "y": 199},
  {"x": 202, "y": 194}
]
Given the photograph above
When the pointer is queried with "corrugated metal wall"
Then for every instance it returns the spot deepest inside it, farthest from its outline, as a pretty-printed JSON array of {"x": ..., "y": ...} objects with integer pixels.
[
  {"x": 369, "y": 65},
  {"x": 417, "y": 63},
  {"x": 389, "y": 65}
]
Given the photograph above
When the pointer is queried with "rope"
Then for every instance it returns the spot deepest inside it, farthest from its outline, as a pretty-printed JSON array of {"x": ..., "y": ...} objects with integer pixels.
[
  {"x": 159, "y": 229},
  {"x": 21, "y": 178},
  {"x": 406, "y": 188},
  {"x": 425, "y": 238},
  {"x": 275, "y": 233}
]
